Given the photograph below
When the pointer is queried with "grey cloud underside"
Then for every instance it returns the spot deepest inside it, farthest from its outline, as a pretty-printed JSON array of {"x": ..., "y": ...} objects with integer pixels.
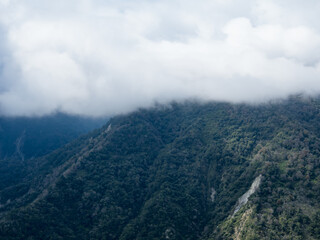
[{"x": 109, "y": 57}]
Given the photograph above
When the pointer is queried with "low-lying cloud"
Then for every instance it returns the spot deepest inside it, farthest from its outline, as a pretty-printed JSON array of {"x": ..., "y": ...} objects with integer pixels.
[{"x": 107, "y": 57}]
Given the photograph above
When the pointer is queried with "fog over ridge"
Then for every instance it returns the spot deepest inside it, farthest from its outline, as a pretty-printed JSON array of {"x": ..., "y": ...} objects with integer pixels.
[{"x": 107, "y": 57}]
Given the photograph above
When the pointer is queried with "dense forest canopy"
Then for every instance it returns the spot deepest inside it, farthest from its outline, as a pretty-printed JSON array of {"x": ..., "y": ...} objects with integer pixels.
[{"x": 183, "y": 171}]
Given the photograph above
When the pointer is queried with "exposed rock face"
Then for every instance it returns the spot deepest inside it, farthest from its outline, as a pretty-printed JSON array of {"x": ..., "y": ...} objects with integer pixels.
[
  {"x": 19, "y": 144},
  {"x": 244, "y": 198},
  {"x": 213, "y": 194}
]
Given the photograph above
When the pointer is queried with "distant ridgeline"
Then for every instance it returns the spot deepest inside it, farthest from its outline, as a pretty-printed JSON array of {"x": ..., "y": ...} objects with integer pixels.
[
  {"x": 184, "y": 171},
  {"x": 27, "y": 137},
  {"x": 23, "y": 138}
]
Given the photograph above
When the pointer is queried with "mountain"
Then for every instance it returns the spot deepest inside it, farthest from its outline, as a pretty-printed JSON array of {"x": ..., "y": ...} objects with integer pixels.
[
  {"x": 23, "y": 138},
  {"x": 26, "y": 137},
  {"x": 183, "y": 171}
]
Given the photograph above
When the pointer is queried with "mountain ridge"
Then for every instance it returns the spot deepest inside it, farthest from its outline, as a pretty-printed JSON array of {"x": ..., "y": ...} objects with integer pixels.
[{"x": 150, "y": 175}]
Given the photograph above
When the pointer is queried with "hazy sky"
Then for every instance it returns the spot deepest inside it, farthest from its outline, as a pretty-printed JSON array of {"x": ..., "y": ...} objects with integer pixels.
[{"x": 111, "y": 56}]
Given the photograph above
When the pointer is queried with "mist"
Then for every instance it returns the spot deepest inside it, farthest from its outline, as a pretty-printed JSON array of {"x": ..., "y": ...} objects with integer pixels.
[{"x": 100, "y": 58}]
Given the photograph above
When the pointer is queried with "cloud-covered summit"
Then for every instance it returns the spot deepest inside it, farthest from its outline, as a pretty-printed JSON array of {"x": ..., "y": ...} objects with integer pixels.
[{"x": 107, "y": 57}]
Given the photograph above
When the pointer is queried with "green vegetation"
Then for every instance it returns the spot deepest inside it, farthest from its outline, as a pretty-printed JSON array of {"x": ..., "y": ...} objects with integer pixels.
[
  {"x": 151, "y": 175},
  {"x": 24, "y": 138}
]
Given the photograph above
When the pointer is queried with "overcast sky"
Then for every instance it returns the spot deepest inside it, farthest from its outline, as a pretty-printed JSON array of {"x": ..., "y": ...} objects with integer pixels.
[{"x": 104, "y": 57}]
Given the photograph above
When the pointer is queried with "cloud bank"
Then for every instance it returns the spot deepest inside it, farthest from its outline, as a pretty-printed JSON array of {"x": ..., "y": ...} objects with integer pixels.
[{"x": 107, "y": 57}]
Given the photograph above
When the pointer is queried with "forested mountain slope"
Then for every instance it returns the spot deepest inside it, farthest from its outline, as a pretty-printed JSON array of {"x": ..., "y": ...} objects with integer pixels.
[
  {"x": 26, "y": 138},
  {"x": 178, "y": 172}
]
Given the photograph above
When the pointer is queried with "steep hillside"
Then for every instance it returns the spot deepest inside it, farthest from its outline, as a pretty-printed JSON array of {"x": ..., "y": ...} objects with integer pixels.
[
  {"x": 25, "y": 138},
  {"x": 185, "y": 171}
]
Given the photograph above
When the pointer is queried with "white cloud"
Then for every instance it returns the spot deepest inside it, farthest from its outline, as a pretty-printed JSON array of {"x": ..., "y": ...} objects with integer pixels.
[{"x": 106, "y": 57}]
